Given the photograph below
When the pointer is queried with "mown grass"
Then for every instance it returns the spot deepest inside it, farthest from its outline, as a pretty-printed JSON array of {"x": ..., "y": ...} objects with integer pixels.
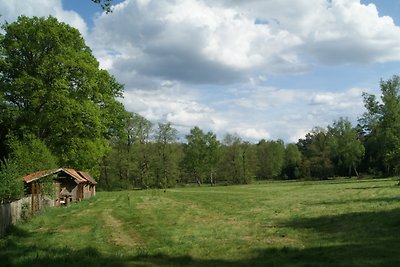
[{"x": 330, "y": 223}]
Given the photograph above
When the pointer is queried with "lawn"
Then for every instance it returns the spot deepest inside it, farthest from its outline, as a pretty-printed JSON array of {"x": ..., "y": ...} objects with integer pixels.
[{"x": 330, "y": 223}]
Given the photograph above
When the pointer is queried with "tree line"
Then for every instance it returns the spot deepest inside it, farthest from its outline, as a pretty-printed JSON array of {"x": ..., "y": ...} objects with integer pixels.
[
  {"x": 58, "y": 108},
  {"x": 152, "y": 156},
  {"x": 372, "y": 147}
]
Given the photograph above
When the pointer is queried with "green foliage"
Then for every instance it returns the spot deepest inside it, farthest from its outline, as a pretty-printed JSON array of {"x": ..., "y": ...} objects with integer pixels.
[
  {"x": 166, "y": 164},
  {"x": 31, "y": 154},
  {"x": 201, "y": 156},
  {"x": 48, "y": 188},
  {"x": 293, "y": 158},
  {"x": 346, "y": 146},
  {"x": 11, "y": 186},
  {"x": 381, "y": 125},
  {"x": 27, "y": 155},
  {"x": 317, "y": 154},
  {"x": 271, "y": 157},
  {"x": 237, "y": 160},
  {"x": 51, "y": 86}
]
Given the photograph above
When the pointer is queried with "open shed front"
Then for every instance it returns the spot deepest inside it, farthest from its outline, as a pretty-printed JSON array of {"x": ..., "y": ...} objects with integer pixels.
[{"x": 70, "y": 186}]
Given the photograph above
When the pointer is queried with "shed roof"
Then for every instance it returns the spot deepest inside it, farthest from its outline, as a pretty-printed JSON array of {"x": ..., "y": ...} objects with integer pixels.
[
  {"x": 79, "y": 177},
  {"x": 88, "y": 177},
  {"x": 39, "y": 174}
]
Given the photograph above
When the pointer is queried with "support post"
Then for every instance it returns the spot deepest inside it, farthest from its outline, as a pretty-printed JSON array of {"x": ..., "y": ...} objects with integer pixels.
[
  {"x": 38, "y": 196},
  {"x": 33, "y": 198}
]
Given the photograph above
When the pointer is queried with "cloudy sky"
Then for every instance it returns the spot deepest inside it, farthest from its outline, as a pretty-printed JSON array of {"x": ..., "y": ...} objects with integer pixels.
[{"x": 259, "y": 68}]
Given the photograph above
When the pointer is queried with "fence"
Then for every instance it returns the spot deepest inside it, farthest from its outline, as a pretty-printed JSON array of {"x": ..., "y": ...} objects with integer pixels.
[{"x": 11, "y": 213}]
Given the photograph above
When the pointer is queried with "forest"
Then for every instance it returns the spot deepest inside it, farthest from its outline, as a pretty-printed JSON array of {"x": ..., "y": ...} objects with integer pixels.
[{"x": 58, "y": 108}]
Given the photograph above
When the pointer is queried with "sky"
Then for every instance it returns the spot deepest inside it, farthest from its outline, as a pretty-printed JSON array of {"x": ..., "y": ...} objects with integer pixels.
[{"x": 263, "y": 69}]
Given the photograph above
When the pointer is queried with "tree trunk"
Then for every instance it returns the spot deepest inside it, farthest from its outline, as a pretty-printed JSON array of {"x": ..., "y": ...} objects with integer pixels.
[{"x": 356, "y": 172}]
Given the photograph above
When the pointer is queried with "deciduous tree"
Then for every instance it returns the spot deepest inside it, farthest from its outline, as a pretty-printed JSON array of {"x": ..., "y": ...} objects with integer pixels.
[
  {"x": 346, "y": 146},
  {"x": 51, "y": 86}
]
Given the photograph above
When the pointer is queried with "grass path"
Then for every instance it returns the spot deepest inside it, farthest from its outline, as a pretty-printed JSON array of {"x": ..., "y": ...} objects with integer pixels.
[{"x": 334, "y": 223}]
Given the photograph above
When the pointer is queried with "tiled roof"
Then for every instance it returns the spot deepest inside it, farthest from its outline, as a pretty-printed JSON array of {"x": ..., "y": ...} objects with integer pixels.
[
  {"x": 79, "y": 177},
  {"x": 88, "y": 177},
  {"x": 39, "y": 174}
]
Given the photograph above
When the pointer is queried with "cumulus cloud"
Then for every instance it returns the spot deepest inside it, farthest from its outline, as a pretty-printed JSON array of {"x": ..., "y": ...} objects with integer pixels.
[
  {"x": 172, "y": 104},
  {"x": 193, "y": 41},
  {"x": 332, "y": 31},
  {"x": 257, "y": 113},
  {"x": 10, "y": 10},
  {"x": 230, "y": 42},
  {"x": 208, "y": 63}
]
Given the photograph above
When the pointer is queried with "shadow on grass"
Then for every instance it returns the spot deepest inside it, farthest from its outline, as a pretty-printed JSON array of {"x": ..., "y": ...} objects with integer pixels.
[
  {"x": 354, "y": 239},
  {"x": 360, "y": 200}
]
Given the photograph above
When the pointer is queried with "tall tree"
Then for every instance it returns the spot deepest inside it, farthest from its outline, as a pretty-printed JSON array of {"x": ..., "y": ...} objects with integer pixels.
[
  {"x": 139, "y": 130},
  {"x": 194, "y": 159},
  {"x": 236, "y": 166},
  {"x": 346, "y": 146},
  {"x": 271, "y": 157},
  {"x": 212, "y": 157},
  {"x": 51, "y": 86},
  {"x": 167, "y": 167},
  {"x": 293, "y": 159},
  {"x": 317, "y": 156},
  {"x": 381, "y": 125},
  {"x": 201, "y": 155}
]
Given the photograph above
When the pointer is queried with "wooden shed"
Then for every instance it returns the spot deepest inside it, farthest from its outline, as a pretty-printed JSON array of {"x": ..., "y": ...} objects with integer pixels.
[{"x": 70, "y": 186}]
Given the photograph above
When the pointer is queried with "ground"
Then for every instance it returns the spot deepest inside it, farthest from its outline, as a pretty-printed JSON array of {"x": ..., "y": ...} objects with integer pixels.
[{"x": 329, "y": 223}]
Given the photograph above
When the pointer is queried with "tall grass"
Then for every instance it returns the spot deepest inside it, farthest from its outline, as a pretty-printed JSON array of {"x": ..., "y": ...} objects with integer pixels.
[{"x": 331, "y": 223}]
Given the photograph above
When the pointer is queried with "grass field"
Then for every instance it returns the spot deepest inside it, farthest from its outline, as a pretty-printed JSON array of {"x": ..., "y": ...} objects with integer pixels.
[{"x": 331, "y": 223}]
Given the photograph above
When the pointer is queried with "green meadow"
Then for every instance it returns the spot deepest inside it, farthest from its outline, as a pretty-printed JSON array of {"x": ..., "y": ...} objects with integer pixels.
[{"x": 326, "y": 223}]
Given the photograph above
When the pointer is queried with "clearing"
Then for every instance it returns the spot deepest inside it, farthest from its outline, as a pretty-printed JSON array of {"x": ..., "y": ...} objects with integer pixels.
[{"x": 327, "y": 223}]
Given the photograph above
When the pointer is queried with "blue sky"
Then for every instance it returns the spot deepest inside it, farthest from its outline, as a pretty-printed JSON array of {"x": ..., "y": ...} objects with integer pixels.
[{"x": 261, "y": 69}]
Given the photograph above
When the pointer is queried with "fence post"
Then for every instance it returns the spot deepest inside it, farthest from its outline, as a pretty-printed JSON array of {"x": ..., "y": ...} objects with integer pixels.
[{"x": 33, "y": 199}]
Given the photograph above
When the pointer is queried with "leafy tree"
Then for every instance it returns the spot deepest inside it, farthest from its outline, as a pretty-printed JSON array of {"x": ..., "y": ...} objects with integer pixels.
[
  {"x": 31, "y": 154},
  {"x": 212, "y": 156},
  {"x": 317, "y": 154},
  {"x": 381, "y": 125},
  {"x": 271, "y": 157},
  {"x": 293, "y": 159},
  {"x": 237, "y": 166},
  {"x": 11, "y": 186},
  {"x": 28, "y": 155},
  {"x": 139, "y": 130},
  {"x": 346, "y": 146},
  {"x": 201, "y": 155},
  {"x": 166, "y": 169},
  {"x": 51, "y": 86},
  {"x": 128, "y": 163},
  {"x": 195, "y": 155}
]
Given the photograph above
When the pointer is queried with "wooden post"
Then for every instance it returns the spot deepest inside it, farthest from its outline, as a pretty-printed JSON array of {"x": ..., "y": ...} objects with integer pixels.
[
  {"x": 33, "y": 199},
  {"x": 41, "y": 194},
  {"x": 37, "y": 196}
]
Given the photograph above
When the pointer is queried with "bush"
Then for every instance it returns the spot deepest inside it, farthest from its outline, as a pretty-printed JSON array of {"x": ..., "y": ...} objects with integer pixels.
[
  {"x": 27, "y": 155},
  {"x": 11, "y": 186}
]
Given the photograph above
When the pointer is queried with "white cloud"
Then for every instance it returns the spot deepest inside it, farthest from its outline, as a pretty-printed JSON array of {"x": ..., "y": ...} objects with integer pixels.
[
  {"x": 332, "y": 31},
  {"x": 208, "y": 63},
  {"x": 209, "y": 44},
  {"x": 219, "y": 42},
  {"x": 174, "y": 105},
  {"x": 10, "y": 10}
]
